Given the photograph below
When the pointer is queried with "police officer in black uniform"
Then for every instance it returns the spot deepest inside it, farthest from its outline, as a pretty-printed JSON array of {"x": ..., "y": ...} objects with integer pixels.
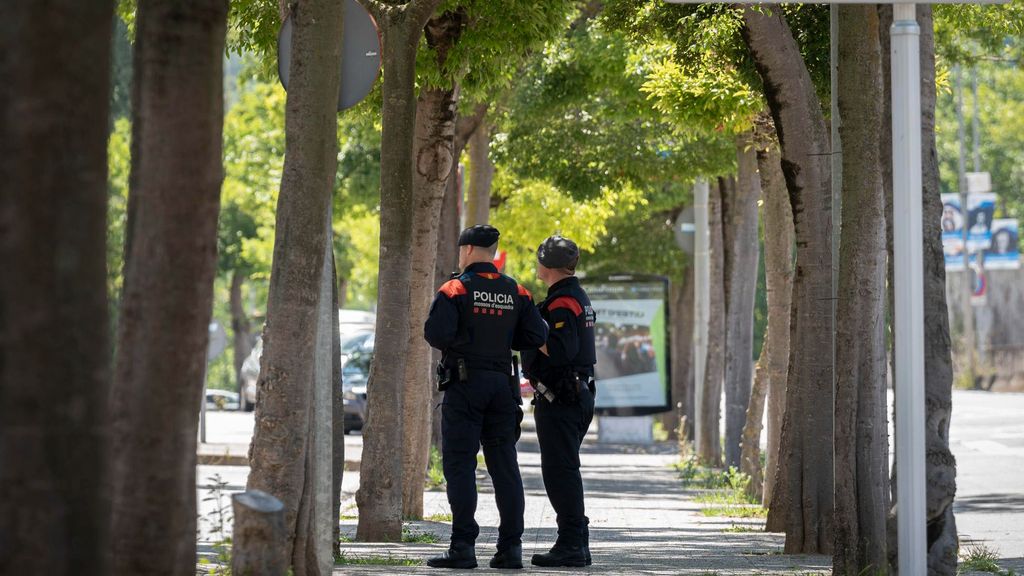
[
  {"x": 477, "y": 318},
  {"x": 562, "y": 373}
]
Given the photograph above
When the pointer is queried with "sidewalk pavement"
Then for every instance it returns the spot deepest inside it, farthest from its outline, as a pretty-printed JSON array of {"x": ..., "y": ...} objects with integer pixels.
[{"x": 642, "y": 521}]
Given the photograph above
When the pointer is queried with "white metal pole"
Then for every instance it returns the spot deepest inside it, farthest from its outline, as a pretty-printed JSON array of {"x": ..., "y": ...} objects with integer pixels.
[
  {"x": 909, "y": 288},
  {"x": 702, "y": 293}
]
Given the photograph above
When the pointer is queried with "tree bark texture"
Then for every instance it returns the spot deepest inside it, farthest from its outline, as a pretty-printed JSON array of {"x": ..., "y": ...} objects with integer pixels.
[
  {"x": 337, "y": 418},
  {"x": 940, "y": 464},
  {"x": 380, "y": 491},
  {"x": 434, "y": 140},
  {"x": 481, "y": 175},
  {"x": 170, "y": 263},
  {"x": 861, "y": 435},
  {"x": 54, "y": 319},
  {"x": 447, "y": 260},
  {"x": 241, "y": 328},
  {"x": 283, "y": 442},
  {"x": 709, "y": 451},
  {"x": 258, "y": 535},
  {"x": 739, "y": 232},
  {"x": 750, "y": 461},
  {"x": 681, "y": 308},
  {"x": 778, "y": 272},
  {"x": 806, "y": 442}
]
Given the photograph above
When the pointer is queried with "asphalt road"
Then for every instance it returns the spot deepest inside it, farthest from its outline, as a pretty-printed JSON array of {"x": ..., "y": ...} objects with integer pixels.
[{"x": 986, "y": 436}]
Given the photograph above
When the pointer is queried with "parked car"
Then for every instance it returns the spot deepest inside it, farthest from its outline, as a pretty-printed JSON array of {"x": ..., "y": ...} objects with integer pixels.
[
  {"x": 356, "y": 330},
  {"x": 354, "y": 376},
  {"x": 221, "y": 400}
]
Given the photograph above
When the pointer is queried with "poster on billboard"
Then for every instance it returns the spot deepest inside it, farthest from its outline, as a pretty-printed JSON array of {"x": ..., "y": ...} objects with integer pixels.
[
  {"x": 1004, "y": 252},
  {"x": 632, "y": 372},
  {"x": 980, "y": 209}
]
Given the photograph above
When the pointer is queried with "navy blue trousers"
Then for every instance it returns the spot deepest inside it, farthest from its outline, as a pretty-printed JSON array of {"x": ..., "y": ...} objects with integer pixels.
[
  {"x": 482, "y": 411},
  {"x": 560, "y": 432}
]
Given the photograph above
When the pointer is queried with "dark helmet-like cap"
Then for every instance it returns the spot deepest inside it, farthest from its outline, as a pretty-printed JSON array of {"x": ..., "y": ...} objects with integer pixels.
[
  {"x": 558, "y": 252},
  {"x": 482, "y": 235}
]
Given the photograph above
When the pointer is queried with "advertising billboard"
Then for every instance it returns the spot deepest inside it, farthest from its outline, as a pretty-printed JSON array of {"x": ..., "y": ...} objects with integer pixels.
[{"x": 632, "y": 371}]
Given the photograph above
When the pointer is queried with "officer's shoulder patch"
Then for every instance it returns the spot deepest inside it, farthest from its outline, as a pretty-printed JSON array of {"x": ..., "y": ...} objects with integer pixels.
[
  {"x": 559, "y": 325},
  {"x": 453, "y": 288},
  {"x": 567, "y": 302},
  {"x": 524, "y": 292}
]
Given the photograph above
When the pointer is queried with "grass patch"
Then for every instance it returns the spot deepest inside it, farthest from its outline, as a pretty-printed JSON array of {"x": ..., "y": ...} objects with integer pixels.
[
  {"x": 694, "y": 475},
  {"x": 344, "y": 559},
  {"x": 435, "y": 473},
  {"x": 980, "y": 558},
  {"x": 735, "y": 511},
  {"x": 419, "y": 537},
  {"x": 742, "y": 528},
  {"x": 445, "y": 517}
]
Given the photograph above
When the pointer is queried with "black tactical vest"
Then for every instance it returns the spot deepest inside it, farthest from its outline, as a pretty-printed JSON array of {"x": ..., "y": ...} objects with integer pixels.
[{"x": 488, "y": 315}]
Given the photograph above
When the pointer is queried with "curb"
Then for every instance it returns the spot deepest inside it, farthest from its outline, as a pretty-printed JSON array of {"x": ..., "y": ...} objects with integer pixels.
[{"x": 228, "y": 459}]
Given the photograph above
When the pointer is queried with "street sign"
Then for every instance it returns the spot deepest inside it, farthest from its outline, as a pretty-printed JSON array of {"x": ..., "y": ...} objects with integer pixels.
[
  {"x": 360, "y": 55},
  {"x": 979, "y": 182},
  {"x": 685, "y": 230},
  {"x": 218, "y": 341}
]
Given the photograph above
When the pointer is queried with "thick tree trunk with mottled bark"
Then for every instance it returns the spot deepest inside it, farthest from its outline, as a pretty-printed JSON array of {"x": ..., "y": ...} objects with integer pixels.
[
  {"x": 750, "y": 457},
  {"x": 940, "y": 464},
  {"x": 54, "y": 334},
  {"x": 285, "y": 453},
  {"x": 806, "y": 442},
  {"x": 709, "y": 451},
  {"x": 337, "y": 417},
  {"x": 739, "y": 232},
  {"x": 170, "y": 262},
  {"x": 778, "y": 274},
  {"x": 681, "y": 310},
  {"x": 241, "y": 328},
  {"x": 435, "y": 133},
  {"x": 380, "y": 491},
  {"x": 481, "y": 175},
  {"x": 861, "y": 437},
  {"x": 447, "y": 260}
]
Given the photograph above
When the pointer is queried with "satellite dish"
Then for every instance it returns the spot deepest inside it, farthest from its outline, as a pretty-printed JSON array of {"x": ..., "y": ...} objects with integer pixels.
[
  {"x": 360, "y": 55},
  {"x": 685, "y": 230}
]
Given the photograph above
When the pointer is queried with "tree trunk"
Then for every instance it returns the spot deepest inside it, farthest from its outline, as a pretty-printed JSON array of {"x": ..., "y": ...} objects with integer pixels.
[
  {"x": 750, "y": 462},
  {"x": 170, "y": 263},
  {"x": 861, "y": 436},
  {"x": 940, "y": 464},
  {"x": 380, "y": 491},
  {"x": 806, "y": 442},
  {"x": 739, "y": 223},
  {"x": 337, "y": 417},
  {"x": 709, "y": 451},
  {"x": 435, "y": 133},
  {"x": 258, "y": 535},
  {"x": 285, "y": 455},
  {"x": 54, "y": 333},
  {"x": 481, "y": 175},
  {"x": 342, "y": 292},
  {"x": 778, "y": 272},
  {"x": 681, "y": 307},
  {"x": 447, "y": 260},
  {"x": 240, "y": 327}
]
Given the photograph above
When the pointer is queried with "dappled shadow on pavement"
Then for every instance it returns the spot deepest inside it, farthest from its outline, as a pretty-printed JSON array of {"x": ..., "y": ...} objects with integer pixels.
[{"x": 989, "y": 503}]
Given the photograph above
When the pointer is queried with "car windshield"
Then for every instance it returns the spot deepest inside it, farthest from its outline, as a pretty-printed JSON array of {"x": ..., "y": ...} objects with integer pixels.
[
  {"x": 356, "y": 342},
  {"x": 358, "y": 365}
]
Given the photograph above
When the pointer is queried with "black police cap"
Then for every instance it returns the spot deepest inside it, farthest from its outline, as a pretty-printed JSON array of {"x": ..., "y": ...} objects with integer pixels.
[
  {"x": 481, "y": 235},
  {"x": 558, "y": 252}
]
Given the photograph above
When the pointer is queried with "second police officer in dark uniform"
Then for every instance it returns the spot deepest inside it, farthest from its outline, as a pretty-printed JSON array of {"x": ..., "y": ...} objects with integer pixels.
[
  {"x": 476, "y": 320},
  {"x": 562, "y": 373}
]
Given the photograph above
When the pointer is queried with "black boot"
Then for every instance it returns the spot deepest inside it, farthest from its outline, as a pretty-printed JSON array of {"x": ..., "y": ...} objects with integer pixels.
[
  {"x": 459, "y": 555},
  {"x": 561, "y": 555},
  {"x": 586, "y": 545},
  {"x": 510, "y": 558}
]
